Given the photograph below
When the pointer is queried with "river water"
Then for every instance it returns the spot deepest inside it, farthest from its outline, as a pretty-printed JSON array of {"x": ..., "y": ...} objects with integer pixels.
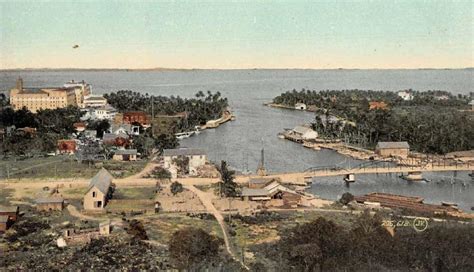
[{"x": 239, "y": 142}]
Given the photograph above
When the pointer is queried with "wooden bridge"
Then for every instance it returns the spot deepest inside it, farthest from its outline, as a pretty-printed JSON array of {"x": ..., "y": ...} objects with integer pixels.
[{"x": 369, "y": 168}]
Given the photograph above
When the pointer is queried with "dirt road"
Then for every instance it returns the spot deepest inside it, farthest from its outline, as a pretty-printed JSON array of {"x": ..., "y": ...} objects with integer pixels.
[{"x": 206, "y": 199}]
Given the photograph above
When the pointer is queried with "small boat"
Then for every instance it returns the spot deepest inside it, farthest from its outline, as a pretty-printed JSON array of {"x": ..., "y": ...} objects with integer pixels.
[
  {"x": 183, "y": 135},
  {"x": 449, "y": 204},
  {"x": 232, "y": 118},
  {"x": 197, "y": 130},
  {"x": 349, "y": 178}
]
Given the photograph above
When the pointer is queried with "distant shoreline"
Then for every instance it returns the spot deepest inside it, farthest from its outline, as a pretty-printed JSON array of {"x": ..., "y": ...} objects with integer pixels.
[{"x": 224, "y": 69}]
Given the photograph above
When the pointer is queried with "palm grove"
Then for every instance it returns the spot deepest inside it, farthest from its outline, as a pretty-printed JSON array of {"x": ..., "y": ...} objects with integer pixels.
[{"x": 429, "y": 124}]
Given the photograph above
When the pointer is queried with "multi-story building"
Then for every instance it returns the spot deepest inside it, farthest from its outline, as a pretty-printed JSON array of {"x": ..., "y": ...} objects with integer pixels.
[
  {"x": 35, "y": 99},
  {"x": 81, "y": 90},
  {"x": 94, "y": 102}
]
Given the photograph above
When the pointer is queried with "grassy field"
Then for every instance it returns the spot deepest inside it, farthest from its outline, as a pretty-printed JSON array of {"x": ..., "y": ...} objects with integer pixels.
[
  {"x": 160, "y": 227},
  {"x": 63, "y": 166}
]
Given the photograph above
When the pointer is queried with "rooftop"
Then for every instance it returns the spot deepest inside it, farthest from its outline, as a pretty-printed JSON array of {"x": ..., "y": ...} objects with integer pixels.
[
  {"x": 386, "y": 145},
  {"x": 8, "y": 209},
  {"x": 183, "y": 152},
  {"x": 254, "y": 192},
  {"x": 3, "y": 218},
  {"x": 126, "y": 152},
  {"x": 102, "y": 181},
  {"x": 44, "y": 200}
]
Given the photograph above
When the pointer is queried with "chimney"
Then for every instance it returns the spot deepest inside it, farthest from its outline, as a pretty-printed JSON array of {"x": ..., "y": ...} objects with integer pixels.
[{"x": 19, "y": 84}]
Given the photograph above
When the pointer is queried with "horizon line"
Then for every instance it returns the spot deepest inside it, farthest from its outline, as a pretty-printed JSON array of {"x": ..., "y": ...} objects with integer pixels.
[{"x": 224, "y": 69}]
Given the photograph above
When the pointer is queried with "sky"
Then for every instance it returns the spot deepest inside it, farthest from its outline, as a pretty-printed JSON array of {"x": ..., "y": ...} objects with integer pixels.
[{"x": 237, "y": 34}]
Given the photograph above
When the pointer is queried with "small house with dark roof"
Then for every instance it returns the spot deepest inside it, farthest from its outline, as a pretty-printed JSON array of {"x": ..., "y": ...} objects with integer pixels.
[
  {"x": 50, "y": 203},
  {"x": 393, "y": 149},
  {"x": 11, "y": 211},
  {"x": 4, "y": 223},
  {"x": 125, "y": 155},
  {"x": 197, "y": 158},
  {"x": 98, "y": 192}
]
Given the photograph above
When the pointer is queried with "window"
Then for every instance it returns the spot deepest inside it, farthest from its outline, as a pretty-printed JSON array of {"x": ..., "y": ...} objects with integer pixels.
[{"x": 93, "y": 194}]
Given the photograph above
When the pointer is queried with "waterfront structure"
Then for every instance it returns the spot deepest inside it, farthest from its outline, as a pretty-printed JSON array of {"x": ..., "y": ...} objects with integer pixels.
[
  {"x": 81, "y": 90},
  {"x": 98, "y": 194},
  {"x": 393, "y": 149},
  {"x": 94, "y": 102},
  {"x": 52, "y": 203},
  {"x": 125, "y": 155},
  {"x": 273, "y": 190},
  {"x": 197, "y": 158},
  {"x": 300, "y": 106},
  {"x": 305, "y": 133},
  {"x": 137, "y": 117},
  {"x": 405, "y": 95},
  {"x": 35, "y": 99}
]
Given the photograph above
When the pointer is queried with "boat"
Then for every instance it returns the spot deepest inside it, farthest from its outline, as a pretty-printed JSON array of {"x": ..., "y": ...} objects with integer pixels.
[
  {"x": 349, "y": 178},
  {"x": 197, "y": 130},
  {"x": 183, "y": 135}
]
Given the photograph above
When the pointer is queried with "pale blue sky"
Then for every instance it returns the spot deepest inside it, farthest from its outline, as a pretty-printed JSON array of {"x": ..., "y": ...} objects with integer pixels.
[{"x": 237, "y": 34}]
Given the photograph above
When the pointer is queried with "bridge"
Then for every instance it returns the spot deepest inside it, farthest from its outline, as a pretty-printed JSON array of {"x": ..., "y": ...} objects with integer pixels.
[{"x": 373, "y": 167}]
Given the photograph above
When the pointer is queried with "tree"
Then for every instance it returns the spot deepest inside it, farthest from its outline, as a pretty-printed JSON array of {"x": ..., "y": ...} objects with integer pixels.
[
  {"x": 160, "y": 173},
  {"x": 176, "y": 188},
  {"x": 346, "y": 198},
  {"x": 227, "y": 185},
  {"x": 100, "y": 126},
  {"x": 315, "y": 245},
  {"x": 191, "y": 247},
  {"x": 182, "y": 163}
]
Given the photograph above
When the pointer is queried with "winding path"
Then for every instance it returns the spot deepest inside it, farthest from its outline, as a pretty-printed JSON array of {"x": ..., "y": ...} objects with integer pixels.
[{"x": 206, "y": 199}]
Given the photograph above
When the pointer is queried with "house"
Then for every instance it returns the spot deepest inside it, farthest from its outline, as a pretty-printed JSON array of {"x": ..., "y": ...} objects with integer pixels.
[
  {"x": 120, "y": 139},
  {"x": 98, "y": 192},
  {"x": 300, "y": 106},
  {"x": 50, "y": 203},
  {"x": 405, "y": 95},
  {"x": 94, "y": 102},
  {"x": 5, "y": 223},
  {"x": 441, "y": 97},
  {"x": 79, "y": 127},
  {"x": 377, "y": 105},
  {"x": 83, "y": 236},
  {"x": 106, "y": 112},
  {"x": 273, "y": 190},
  {"x": 125, "y": 155},
  {"x": 27, "y": 131},
  {"x": 472, "y": 105},
  {"x": 197, "y": 158},
  {"x": 259, "y": 183},
  {"x": 125, "y": 129},
  {"x": 67, "y": 146},
  {"x": 393, "y": 149},
  {"x": 11, "y": 211},
  {"x": 136, "y": 117},
  {"x": 305, "y": 133},
  {"x": 90, "y": 133}
]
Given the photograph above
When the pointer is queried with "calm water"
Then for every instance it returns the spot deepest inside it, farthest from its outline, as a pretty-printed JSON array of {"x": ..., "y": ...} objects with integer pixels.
[{"x": 239, "y": 142}]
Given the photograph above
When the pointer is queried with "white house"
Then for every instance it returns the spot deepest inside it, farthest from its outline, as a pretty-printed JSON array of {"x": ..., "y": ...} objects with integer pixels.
[
  {"x": 94, "y": 102},
  {"x": 472, "y": 104},
  {"x": 405, "y": 95},
  {"x": 305, "y": 133},
  {"x": 103, "y": 113},
  {"x": 300, "y": 106},
  {"x": 124, "y": 129},
  {"x": 197, "y": 158}
]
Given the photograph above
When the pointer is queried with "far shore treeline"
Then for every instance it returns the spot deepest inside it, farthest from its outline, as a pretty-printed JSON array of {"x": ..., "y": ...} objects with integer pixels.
[
  {"x": 435, "y": 122},
  {"x": 52, "y": 125}
]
